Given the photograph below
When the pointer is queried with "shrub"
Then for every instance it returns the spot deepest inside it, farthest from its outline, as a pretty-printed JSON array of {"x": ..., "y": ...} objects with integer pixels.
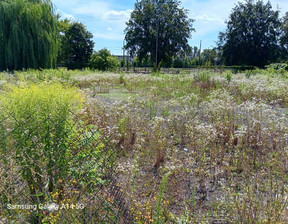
[
  {"x": 36, "y": 130},
  {"x": 278, "y": 66},
  {"x": 40, "y": 101},
  {"x": 112, "y": 63},
  {"x": 103, "y": 61},
  {"x": 228, "y": 76},
  {"x": 277, "y": 69},
  {"x": 97, "y": 62},
  {"x": 203, "y": 76}
]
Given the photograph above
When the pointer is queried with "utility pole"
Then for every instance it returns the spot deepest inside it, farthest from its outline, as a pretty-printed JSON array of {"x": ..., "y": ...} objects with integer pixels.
[
  {"x": 127, "y": 62},
  {"x": 200, "y": 52},
  {"x": 123, "y": 55},
  {"x": 158, "y": 10},
  {"x": 157, "y": 47}
]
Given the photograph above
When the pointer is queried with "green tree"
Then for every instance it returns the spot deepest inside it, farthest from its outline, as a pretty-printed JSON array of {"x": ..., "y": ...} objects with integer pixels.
[
  {"x": 103, "y": 60},
  {"x": 284, "y": 37},
  {"x": 252, "y": 35},
  {"x": 63, "y": 26},
  {"x": 28, "y": 34},
  {"x": 78, "y": 45},
  {"x": 209, "y": 56},
  {"x": 195, "y": 52},
  {"x": 178, "y": 62},
  {"x": 158, "y": 29}
]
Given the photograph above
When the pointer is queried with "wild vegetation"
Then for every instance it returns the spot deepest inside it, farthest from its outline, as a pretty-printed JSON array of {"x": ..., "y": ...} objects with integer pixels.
[
  {"x": 199, "y": 146},
  {"x": 202, "y": 147}
]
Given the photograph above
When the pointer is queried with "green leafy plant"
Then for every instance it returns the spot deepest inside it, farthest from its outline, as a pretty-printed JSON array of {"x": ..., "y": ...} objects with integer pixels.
[
  {"x": 204, "y": 76},
  {"x": 228, "y": 76},
  {"x": 249, "y": 73},
  {"x": 159, "y": 207},
  {"x": 278, "y": 69},
  {"x": 278, "y": 66},
  {"x": 41, "y": 118}
]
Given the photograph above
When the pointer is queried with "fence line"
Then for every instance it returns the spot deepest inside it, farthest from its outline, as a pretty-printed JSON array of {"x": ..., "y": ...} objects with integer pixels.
[{"x": 60, "y": 172}]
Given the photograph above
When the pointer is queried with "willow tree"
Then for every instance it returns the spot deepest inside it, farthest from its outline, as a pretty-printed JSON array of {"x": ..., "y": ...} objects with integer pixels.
[{"x": 28, "y": 34}]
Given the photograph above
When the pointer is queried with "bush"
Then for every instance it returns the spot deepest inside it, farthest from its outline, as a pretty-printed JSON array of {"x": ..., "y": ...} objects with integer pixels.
[
  {"x": 97, "y": 62},
  {"x": 36, "y": 128},
  {"x": 203, "y": 76},
  {"x": 112, "y": 63},
  {"x": 228, "y": 76},
  {"x": 52, "y": 154},
  {"x": 278, "y": 66},
  {"x": 103, "y": 61},
  {"x": 40, "y": 101},
  {"x": 277, "y": 69}
]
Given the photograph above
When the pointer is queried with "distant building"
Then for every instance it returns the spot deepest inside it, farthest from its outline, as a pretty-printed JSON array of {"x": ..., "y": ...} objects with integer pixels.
[{"x": 127, "y": 57}]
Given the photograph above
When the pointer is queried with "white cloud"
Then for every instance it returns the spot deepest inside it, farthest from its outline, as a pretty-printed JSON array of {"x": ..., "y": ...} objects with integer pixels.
[
  {"x": 106, "y": 21},
  {"x": 113, "y": 15},
  {"x": 210, "y": 18},
  {"x": 95, "y": 9},
  {"x": 108, "y": 35}
]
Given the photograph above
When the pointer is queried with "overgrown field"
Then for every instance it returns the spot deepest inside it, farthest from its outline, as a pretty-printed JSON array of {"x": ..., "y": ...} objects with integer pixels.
[{"x": 203, "y": 147}]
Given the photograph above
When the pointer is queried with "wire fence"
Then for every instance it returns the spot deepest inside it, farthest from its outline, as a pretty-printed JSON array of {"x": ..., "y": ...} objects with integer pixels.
[
  {"x": 61, "y": 172},
  {"x": 149, "y": 70},
  {"x": 67, "y": 170}
]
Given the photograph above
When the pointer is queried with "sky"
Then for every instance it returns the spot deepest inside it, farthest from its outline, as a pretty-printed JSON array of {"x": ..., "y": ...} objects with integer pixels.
[{"x": 106, "y": 19}]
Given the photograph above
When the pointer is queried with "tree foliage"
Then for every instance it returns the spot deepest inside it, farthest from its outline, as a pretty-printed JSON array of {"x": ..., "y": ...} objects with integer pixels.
[
  {"x": 78, "y": 45},
  {"x": 284, "y": 37},
  {"x": 158, "y": 26},
  {"x": 252, "y": 34},
  {"x": 28, "y": 31},
  {"x": 103, "y": 60},
  {"x": 63, "y": 26},
  {"x": 209, "y": 57}
]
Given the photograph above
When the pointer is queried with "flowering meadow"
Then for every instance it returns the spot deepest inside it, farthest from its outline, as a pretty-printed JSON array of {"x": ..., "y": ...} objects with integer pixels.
[{"x": 199, "y": 147}]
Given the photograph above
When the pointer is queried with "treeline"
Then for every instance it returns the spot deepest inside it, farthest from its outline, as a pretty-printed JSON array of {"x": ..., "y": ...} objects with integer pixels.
[
  {"x": 192, "y": 58},
  {"x": 33, "y": 36},
  {"x": 256, "y": 35}
]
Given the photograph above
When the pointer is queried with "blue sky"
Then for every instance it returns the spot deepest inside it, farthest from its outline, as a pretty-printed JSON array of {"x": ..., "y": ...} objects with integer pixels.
[{"x": 105, "y": 19}]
